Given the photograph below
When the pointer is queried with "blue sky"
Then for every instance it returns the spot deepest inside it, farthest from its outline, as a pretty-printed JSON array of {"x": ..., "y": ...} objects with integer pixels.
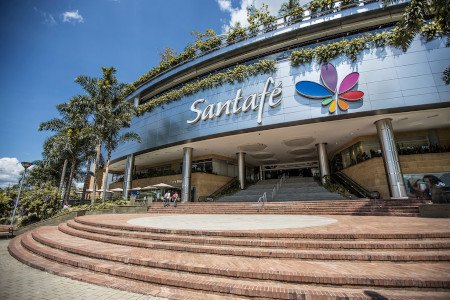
[{"x": 45, "y": 45}]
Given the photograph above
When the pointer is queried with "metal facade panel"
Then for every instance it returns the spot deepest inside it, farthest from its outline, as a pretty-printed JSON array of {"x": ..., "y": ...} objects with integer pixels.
[{"x": 389, "y": 78}]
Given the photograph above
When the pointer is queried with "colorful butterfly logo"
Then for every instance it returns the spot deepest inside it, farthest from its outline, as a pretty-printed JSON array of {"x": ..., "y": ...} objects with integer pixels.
[{"x": 327, "y": 91}]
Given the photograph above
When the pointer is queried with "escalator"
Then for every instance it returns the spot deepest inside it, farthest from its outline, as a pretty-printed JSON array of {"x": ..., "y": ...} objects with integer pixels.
[{"x": 353, "y": 187}]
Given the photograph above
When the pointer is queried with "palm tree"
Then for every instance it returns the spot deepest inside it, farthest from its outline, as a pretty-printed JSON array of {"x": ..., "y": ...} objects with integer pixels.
[
  {"x": 73, "y": 135},
  {"x": 110, "y": 113},
  {"x": 114, "y": 113}
]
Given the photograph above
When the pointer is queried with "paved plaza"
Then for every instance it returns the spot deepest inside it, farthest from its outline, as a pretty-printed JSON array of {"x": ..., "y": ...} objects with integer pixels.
[
  {"x": 18, "y": 281},
  {"x": 230, "y": 222}
]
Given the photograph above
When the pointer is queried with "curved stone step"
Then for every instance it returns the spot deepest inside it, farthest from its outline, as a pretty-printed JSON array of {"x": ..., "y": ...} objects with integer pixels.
[
  {"x": 277, "y": 271},
  {"x": 163, "y": 290},
  {"x": 104, "y": 222},
  {"x": 443, "y": 244},
  {"x": 360, "y": 255},
  {"x": 29, "y": 258}
]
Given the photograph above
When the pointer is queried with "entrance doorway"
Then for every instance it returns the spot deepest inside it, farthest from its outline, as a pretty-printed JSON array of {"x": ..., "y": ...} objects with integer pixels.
[{"x": 303, "y": 169}]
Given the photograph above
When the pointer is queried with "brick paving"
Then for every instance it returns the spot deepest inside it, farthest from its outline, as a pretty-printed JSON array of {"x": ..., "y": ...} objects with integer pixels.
[
  {"x": 21, "y": 282},
  {"x": 354, "y": 258}
]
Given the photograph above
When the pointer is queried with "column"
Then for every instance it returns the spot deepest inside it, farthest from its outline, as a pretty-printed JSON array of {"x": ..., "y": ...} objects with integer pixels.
[
  {"x": 128, "y": 175},
  {"x": 241, "y": 169},
  {"x": 323, "y": 161},
  {"x": 186, "y": 175},
  {"x": 390, "y": 158}
]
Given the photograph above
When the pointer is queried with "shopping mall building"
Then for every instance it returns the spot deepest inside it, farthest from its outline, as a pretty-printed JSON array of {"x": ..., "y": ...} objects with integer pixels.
[{"x": 383, "y": 120}]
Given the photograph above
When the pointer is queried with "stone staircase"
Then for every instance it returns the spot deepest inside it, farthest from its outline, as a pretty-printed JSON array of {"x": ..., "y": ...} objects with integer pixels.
[
  {"x": 293, "y": 189},
  {"x": 282, "y": 264},
  {"x": 357, "y": 207}
]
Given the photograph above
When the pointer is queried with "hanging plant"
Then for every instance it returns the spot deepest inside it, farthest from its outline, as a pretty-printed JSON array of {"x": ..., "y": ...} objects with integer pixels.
[
  {"x": 356, "y": 46},
  {"x": 260, "y": 18},
  {"x": 207, "y": 41},
  {"x": 238, "y": 73},
  {"x": 236, "y": 33},
  {"x": 302, "y": 56},
  {"x": 325, "y": 53}
]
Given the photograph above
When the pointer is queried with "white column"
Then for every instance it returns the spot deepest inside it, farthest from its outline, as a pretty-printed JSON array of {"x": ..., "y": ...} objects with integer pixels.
[
  {"x": 186, "y": 174},
  {"x": 323, "y": 161},
  {"x": 390, "y": 158},
  {"x": 128, "y": 175},
  {"x": 241, "y": 169}
]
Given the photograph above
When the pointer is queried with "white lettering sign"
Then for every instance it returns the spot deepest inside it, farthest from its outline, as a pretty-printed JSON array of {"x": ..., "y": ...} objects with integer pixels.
[{"x": 232, "y": 106}]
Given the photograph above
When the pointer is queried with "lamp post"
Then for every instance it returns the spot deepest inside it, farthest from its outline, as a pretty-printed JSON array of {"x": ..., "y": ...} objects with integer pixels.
[{"x": 26, "y": 165}]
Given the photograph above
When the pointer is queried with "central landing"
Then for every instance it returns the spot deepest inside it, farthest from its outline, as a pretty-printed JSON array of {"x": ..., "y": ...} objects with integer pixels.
[{"x": 231, "y": 222}]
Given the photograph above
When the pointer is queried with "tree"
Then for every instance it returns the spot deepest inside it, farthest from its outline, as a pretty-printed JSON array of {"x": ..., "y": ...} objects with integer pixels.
[
  {"x": 110, "y": 113},
  {"x": 73, "y": 135},
  {"x": 113, "y": 113}
]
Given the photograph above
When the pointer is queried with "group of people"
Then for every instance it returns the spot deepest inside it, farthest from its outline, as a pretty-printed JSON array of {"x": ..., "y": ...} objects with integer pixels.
[
  {"x": 168, "y": 197},
  {"x": 429, "y": 187}
]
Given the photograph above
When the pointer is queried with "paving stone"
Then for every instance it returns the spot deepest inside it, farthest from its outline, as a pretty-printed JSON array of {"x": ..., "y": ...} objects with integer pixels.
[{"x": 21, "y": 282}]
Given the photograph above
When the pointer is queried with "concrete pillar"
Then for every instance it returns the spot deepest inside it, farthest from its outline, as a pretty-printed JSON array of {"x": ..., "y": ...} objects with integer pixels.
[
  {"x": 390, "y": 158},
  {"x": 241, "y": 169},
  {"x": 323, "y": 161},
  {"x": 128, "y": 175},
  {"x": 186, "y": 175}
]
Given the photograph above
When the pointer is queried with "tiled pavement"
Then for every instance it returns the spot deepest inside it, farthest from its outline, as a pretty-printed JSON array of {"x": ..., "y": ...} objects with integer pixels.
[{"x": 21, "y": 282}]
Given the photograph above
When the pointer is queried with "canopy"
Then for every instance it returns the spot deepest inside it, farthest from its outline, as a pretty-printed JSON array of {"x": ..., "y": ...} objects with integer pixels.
[
  {"x": 117, "y": 190},
  {"x": 150, "y": 187},
  {"x": 136, "y": 189},
  {"x": 163, "y": 186}
]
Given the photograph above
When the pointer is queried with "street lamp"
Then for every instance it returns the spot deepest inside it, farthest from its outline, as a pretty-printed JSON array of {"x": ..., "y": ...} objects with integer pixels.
[{"x": 26, "y": 165}]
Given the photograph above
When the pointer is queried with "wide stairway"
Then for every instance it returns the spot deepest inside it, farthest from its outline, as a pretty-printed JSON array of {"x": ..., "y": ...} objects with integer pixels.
[
  {"x": 357, "y": 207},
  {"x": 367, "y": 263},
  {"x": 293, "y": 189}
]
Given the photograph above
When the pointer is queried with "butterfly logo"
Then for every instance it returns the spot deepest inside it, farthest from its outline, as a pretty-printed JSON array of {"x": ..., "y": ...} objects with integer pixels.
[{"x": 328, "y": 92}]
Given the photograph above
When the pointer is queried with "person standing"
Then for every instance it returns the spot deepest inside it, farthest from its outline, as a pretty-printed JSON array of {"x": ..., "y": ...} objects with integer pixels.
[{"x": 175, "y": 199}]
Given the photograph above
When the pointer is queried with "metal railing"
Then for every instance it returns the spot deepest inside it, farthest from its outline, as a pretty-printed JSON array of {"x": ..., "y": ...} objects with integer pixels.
[
  {"x": 262, "y": 201},
  {"x": 278, "y": 186}
]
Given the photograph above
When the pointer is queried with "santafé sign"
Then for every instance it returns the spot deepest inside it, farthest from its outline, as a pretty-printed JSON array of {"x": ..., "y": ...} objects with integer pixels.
[{"x": 238, "y": 104}]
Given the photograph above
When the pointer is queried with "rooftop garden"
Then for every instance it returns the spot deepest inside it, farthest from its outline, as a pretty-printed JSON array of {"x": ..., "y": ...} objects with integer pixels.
[{"x": 425, "y": 18}]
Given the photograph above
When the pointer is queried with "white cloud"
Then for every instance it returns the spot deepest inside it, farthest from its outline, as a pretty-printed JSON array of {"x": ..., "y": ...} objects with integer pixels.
[
  {"x": 47, "y": 18},
  {"x": 239, "y": 13},
  {"x": 72, "y": 17},
  {"x": 10, "y": 171}
]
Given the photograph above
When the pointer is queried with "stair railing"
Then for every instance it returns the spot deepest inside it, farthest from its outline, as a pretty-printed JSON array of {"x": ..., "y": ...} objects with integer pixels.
[
  {"x": 278, "y": 186},
  {"x": 262, "y": 200}
]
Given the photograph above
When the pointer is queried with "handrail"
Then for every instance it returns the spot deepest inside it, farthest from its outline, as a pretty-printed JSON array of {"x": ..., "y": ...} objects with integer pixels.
[
  {"x": 278, "y": 185},
  {"x": 351, "y": 185},
  {"x": 285, "y": 21},
  {"x": 262, "y": 200}
]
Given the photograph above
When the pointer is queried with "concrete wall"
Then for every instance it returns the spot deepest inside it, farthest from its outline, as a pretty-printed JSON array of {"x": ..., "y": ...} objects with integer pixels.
[
  {"x": 371, "y": 174},
  {"x": 204, "y": 183}
]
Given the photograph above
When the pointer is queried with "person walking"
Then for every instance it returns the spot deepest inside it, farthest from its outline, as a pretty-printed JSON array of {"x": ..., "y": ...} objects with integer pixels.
[{"x": 166, "y": 199}]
